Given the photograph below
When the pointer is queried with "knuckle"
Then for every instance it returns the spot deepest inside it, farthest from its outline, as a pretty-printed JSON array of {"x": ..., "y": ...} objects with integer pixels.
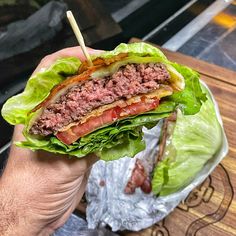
[{"x": 46, "y": 59}]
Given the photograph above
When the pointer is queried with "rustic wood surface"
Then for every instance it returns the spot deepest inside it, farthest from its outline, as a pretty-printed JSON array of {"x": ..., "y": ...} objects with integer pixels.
[{"x": 211, "y": 208}]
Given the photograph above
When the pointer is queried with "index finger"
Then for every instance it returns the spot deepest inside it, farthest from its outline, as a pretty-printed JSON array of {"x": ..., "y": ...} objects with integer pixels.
[{"x": 66, "y": 52}]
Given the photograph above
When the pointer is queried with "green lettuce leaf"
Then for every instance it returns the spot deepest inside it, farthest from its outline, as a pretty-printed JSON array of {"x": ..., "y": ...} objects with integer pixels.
[
  {"x": 139, "y": 49},
  {"x": 195, "y": 140},
  {"x": 190, "y": 99},
  {"x": 129, "y": 147}
]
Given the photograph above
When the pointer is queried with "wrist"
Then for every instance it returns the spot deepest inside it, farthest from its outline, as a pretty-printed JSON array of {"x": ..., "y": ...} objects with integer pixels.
[
  {"x": 16, "y": 218},
  {"x": 9, "y": 212}
]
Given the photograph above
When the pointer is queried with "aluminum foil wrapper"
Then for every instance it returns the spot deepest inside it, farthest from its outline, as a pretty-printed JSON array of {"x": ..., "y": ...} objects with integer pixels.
[{"x": 109, "y": 205}]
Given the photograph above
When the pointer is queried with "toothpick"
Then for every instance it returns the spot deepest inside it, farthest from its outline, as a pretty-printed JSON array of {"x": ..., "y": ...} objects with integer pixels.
[{"x": 78, "y": 35}]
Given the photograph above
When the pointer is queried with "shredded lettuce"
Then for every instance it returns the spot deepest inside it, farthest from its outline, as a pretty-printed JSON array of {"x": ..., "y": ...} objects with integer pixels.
[
  {"x": 113, "y": 141},
  {"x": 124, "y": 137},
  {"x": 195, "y": 140}
]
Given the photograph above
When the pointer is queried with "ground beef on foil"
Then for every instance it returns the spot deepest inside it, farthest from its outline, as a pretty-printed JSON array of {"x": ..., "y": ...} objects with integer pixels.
[{"x": 128, "y": 81}]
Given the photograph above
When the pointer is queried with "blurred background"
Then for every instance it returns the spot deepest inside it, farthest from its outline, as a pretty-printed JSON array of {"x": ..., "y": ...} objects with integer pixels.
[{"x": 31, "y": 29}]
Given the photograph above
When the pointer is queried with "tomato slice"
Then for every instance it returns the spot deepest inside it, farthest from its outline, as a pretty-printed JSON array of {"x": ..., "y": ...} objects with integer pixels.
[
  {"x": 107, "y": 117},
  {"x": 93, "y": 123}
]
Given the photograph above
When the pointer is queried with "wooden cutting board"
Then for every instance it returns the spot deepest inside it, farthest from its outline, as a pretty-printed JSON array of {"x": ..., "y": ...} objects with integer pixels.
[{"x": 210, "y": 209}]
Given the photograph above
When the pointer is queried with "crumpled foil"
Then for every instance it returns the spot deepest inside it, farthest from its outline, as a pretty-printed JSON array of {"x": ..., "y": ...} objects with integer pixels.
[{"x": 109, "y": 205}]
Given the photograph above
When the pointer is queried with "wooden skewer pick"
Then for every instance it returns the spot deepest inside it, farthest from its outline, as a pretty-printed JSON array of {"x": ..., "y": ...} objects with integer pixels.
[{"x": 78, "y": 35}]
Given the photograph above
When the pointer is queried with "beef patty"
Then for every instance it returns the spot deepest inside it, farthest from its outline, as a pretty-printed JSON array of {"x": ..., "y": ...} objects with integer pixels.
[{"x": 78, "y": 101}]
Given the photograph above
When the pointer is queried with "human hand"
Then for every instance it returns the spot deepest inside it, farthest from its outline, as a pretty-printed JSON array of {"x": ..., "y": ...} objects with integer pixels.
[{"x": 39, "y": 190}]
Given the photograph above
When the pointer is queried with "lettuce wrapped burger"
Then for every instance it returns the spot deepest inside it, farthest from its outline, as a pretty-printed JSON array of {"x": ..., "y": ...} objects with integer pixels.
[{"x": 76, "y": 109}]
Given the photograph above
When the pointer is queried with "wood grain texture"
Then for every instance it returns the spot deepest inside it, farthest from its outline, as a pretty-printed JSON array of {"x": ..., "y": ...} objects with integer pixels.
[{"x": 210, "y": 209}]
